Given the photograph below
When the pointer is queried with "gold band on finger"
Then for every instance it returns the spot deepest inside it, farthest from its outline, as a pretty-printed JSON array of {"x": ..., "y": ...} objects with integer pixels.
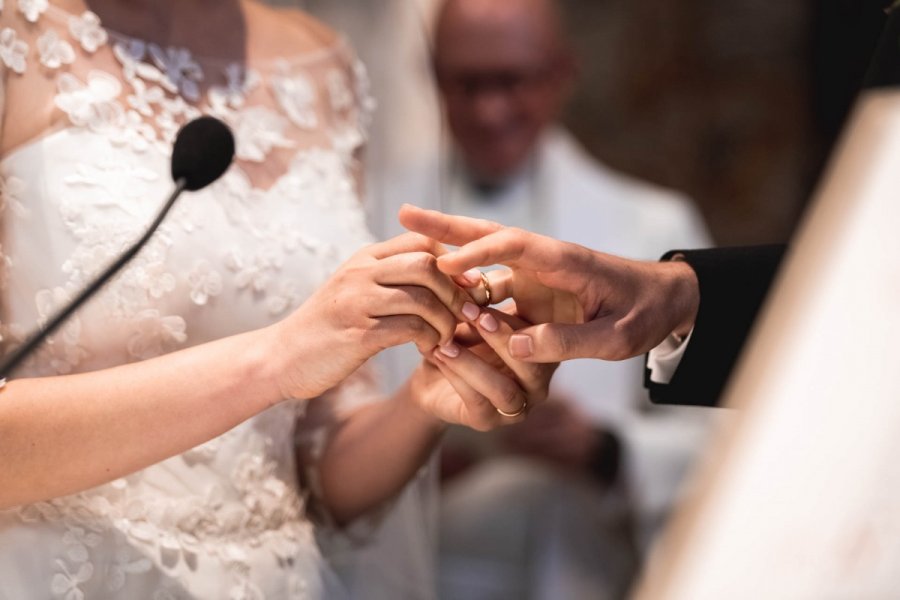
[
  {"x": 517, "y": 413},
  {"x": 487, "y": 289}
]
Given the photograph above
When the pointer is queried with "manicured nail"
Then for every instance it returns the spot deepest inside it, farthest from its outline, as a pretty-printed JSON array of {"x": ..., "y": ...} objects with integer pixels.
[
  {"x": 521, "y": 346},
  {"x": 472, "y": 277},
  {"x": 488, "y": 322},
  {"x": 449, "y": 349},
  {"x": 470, "y": 311}
]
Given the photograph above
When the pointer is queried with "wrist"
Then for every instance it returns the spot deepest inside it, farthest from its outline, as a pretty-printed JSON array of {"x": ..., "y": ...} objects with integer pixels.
[
  {"x": 410, "y": 397},
  {"x": 685, "y": 292},
  {"x": 295, "y": 350},
  {"x": 258, "y": 368}
]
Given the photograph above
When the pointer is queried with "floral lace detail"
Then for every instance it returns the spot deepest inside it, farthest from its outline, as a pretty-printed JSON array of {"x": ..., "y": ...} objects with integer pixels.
[
  {"x": 241, "y": 81},
  {"x": 297, "y": 98},
  {"x": 87, "y": 31},
  {"x": 13, "y": 50},
  {"x": 126, "y": 563},
  {"x": 33, "y": 9},
  {"x": 257, "y": 130},
  {"x": 206, "y": 283},
  {"x": 66, "y": 584},
  {"x": 180, "y": 72},
  {"x": 93, "y": 104},
  {"x": 11, "y": 190},
  {"x": 54, "y": 51},
  {"x": 62, "y": 351},
  {"x": 5, "y": 264},
  {"x": 233, "y": 243},
  {"x": 258, "y": 510},
  {"x": 155, "y": 334}
]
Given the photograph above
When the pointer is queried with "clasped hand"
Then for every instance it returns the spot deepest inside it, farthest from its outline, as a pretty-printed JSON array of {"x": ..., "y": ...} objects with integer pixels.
[{"x": 392, "y": 293}]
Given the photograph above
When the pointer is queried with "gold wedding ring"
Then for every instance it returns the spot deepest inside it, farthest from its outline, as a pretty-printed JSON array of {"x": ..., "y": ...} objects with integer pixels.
[
  {"x": 487, "y": 289},
  {"x": 517, "y": 413}
]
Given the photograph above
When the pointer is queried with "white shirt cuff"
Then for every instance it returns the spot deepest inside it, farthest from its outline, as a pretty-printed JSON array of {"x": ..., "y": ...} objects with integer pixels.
[{"x": 665, "y": 358}]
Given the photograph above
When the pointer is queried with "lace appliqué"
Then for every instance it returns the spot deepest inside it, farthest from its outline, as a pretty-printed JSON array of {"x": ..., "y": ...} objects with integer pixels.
[
  {"x": 206, "y": 283},
  {"x": 87, "y": 31},
  {"x": 296, "y": 96},
  {"x": 260, "y": 510},
  {"x": 155, "y": 334},
  {"x": 11, "y": 190},
  {"x": 55, "y": 52},
  {"x": 33, "y": 9},
  {"x": 13, "y": 50},
  {"x": 94, "y": 104},
  {"x": 180, "y": 72}
]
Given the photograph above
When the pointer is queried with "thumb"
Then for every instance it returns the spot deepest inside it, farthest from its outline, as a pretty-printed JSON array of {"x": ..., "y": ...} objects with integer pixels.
[{"x": 556, "y": 342}]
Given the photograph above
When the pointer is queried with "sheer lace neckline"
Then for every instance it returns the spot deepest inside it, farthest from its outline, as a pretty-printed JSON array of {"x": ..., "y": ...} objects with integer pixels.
[{"x": 326, "y": 52}]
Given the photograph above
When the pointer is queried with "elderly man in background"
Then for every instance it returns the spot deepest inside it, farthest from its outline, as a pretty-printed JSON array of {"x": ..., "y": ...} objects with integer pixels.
[{"x": 561, "y": 505}]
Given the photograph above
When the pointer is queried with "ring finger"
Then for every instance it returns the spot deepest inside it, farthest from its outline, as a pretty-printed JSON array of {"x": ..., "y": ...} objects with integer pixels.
[
  {"x": 414, "y": 300},
  {"x": 500, "y": 390}
]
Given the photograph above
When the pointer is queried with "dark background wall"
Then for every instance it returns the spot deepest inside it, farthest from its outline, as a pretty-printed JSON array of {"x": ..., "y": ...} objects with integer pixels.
[{"x": 735, "y": 102}]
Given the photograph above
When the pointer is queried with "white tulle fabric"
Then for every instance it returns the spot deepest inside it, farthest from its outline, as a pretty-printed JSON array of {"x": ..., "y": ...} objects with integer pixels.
[{"x": 226, "y": 519}]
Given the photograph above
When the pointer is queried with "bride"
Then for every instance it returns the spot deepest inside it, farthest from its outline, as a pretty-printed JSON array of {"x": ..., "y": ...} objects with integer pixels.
[{"x": 170, "y": 440}]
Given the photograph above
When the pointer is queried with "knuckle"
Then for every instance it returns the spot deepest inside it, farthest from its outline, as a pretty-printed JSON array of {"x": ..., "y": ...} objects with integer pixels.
[
  {"x": 561, "y": 345},
  {"x": 425, "y": 332},
  {"x": 422, "y": 296},
  {"x": 420, "y": 240},
  {"x": 510, "y": 396},
  {"x": 458, "y": 297},
  {"x": 413, "y": 294},
  {"x": 627, "y": 339},
  {"x": 424, "y": 262},
  {"x": 416, "y": 325}
]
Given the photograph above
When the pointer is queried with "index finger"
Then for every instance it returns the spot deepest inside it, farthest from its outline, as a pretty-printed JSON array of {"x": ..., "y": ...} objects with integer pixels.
[
  {"x": 406, "y": 243},
  {"x": 509, "y": 246},
  {"x": 449, "y": 229}
]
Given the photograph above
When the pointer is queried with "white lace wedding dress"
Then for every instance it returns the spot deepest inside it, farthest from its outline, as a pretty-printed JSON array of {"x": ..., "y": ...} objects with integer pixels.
[{"x": 226, "y": 519}]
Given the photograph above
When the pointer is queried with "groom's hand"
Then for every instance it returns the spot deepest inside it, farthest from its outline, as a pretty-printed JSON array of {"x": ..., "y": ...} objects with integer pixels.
[{"x": 627, "y": 307}]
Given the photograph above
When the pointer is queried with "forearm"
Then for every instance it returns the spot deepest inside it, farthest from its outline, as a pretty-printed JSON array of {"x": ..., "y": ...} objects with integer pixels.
[
  {"x": 60, "y": 435},
  {"x": 374, "y": 453}
]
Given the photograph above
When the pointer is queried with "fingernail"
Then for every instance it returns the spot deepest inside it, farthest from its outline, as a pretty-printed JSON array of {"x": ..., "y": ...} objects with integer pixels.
[
  {"x": 488, "y": 322},
  {"x": 450, "y": 349},
  {"x": 470, "y": 311},
  {"x": 472, "y": 277},
  {"x": 521, "y": 346}
]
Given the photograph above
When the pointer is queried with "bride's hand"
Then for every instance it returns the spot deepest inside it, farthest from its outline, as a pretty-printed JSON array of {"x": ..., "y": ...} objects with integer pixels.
[
  {"x": 387, "y": 294},
  {"x": 474, "y": 385}
]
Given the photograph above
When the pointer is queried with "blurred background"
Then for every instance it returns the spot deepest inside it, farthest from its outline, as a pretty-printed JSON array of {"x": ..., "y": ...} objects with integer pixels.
[{"x": 734, "y": 102}]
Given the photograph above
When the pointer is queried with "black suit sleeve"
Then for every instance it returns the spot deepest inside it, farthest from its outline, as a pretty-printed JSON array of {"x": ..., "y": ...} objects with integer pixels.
[{"x": 733, "y": 284}]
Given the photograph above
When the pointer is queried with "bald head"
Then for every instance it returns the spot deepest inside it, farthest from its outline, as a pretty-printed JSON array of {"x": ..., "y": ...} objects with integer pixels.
[
  {"x": 504, "y": 69},
  {"x": 533, "y": 23}
]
